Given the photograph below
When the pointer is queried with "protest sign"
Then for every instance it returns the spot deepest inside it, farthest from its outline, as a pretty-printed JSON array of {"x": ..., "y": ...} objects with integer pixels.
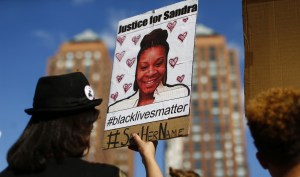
[
  {"x": 151, "y": 77},
  {"x": 271, "y": 35}
]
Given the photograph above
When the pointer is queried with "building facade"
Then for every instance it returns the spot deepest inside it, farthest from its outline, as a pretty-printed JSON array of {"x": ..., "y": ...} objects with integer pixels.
[
  {"x": 88, "y": 54},
  {"x": 216, "y": 145}
]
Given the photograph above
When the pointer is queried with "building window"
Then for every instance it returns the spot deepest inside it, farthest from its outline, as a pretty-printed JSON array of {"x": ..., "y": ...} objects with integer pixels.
[
  {"x": 212, "y": 53},
  {"x": 215, "y": 103},
  {"x": 195, "y": 119},
  {"x": 195, "y": 88},
  {"x": 197, "y": 147},
  {"x": 202, "y": 53},
  {"x": 97, "y": 55},
  {"x": 195, "y": 111},
  {"x": 214, "y": 83},
  {"x": 87, "y": 72},
  {"x": 197, "y": 164},
  {"x": 88, "y": 54}
]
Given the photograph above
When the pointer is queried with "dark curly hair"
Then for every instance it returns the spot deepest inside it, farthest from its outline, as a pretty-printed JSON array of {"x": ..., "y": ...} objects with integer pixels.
[
  {"x": 157, "y": 37},
  {"x": 274, "y": 120},
  {"x": 55, "y": 137}
]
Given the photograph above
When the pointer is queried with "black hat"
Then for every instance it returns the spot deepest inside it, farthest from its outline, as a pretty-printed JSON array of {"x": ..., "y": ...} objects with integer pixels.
[{"x": 63, "y": 94}]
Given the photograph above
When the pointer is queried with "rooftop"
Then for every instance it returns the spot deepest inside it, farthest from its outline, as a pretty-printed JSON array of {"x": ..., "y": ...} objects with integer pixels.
[
  {"x": 202, "y": 30},
  {"x": 86, "y": 36}
]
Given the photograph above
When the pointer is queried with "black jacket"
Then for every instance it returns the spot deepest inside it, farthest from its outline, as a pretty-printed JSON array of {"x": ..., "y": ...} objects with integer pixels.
[{"x": 70, "y": 167}]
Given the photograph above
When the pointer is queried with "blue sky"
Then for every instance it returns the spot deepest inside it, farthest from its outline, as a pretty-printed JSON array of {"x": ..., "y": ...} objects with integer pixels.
[{"x": 31, "y": 31}]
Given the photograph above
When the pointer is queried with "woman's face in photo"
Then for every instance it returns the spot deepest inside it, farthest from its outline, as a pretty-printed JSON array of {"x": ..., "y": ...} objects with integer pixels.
[{"x": 151, "y": 69}]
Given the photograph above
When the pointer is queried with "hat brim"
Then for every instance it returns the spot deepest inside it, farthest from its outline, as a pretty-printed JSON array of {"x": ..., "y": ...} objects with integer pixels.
[{"x": 64, "y": 111}]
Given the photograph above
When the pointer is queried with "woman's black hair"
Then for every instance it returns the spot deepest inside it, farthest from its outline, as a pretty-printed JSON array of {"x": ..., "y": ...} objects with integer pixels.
[
  {"x": 55, "y": 138},
  {"x": 157, "y": 37}
]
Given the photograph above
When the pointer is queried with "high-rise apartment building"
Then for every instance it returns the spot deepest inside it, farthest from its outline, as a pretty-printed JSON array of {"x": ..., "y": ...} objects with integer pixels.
[
  {"x": 88, "y": 54},
  {"x": 215, "y": 146}
]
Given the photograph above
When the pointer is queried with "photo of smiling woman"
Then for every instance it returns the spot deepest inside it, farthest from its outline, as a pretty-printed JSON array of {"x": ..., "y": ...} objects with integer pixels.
[{"x": 150, "y": 83}]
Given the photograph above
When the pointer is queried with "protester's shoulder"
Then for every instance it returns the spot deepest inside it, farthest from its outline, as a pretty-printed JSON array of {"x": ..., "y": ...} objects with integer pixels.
[
  {"x": 100, "y": 168},
  {"x": 6, "y": 173},
  {"x": 80, "y": 163}
]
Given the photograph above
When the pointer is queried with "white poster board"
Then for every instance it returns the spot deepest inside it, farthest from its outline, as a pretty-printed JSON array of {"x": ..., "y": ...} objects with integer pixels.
[{"x": 152, "y": 70}]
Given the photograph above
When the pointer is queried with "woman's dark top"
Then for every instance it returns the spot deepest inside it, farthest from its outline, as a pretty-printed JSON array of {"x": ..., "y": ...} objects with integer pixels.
[{"x": 70, "y": 167}]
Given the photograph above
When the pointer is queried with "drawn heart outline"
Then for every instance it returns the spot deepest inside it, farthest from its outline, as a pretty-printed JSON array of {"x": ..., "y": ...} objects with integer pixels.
[
  {"x": 185, "y": 19},
  {"x": 130, "y": 62},
  {"x": 173, "y": 61},
  {"x": 120, "y": 55},
  {"x": 126, "y": 87},
  {"x": 114, "y": 96},
  {"x": 171, "y": 25},
  {"x": 136, "y": 39},
  {"x": 180, "y": 78},
  {"x": 182, "y": 36},
  {"x": 120, "y": 77},
  {"x": 121, "y": 39}
]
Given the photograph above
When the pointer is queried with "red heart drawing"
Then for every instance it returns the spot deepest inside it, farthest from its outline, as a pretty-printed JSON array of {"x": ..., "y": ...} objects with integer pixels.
[
  {"x": 171, "y": 25},
  {"x": 114, "y": 96},
  {"x": 136, "y": 39},
  {"x": 119, "y": 56},
  {"x": 120, "y": 77},
  {"x": 173, "y": 61},
  {"x": 180, "y": 78},
  {"x": 182, "y": 36},
  {"x": 126, "y": 87},
  {"x": 121, "y": 39},
  {"x": 185, "y": 19},
  {"x": 130, "y": 62}
]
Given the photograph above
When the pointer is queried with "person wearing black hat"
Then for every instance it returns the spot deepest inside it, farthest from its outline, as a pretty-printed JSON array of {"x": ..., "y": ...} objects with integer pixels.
[{"x": 57, "y": 135}]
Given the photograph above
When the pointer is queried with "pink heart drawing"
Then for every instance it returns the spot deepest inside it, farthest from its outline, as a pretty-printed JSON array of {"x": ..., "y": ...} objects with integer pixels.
[
  {"x": 130, "y": 62},
  {"x": 114, "y": 96},
  {"x": 171, "y": 25},
  {"x": 120, "y": 55},
  {"x": 182, "y": 36},
  {"x": 185, "y": 19},
  {"x": 180, "y": 78},
  {"x": 120, "y": 77},
  {"x": 173, "y": 61},
  {"x": 121, "y": 39},
  {"x": 136, "y": 39},
  {"x": 126, "y": 87}
]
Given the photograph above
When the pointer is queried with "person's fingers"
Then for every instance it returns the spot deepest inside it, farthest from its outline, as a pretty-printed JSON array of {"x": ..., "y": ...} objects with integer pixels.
[
  {"x": 138, "y": 141},
  {"x": 133, "y": 147}
]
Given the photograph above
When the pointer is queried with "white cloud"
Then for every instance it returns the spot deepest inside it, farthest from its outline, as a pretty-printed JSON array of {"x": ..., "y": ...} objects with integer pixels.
[
  {"x": 81, "y": 2},
  {"x": 109, "y": 39},
  {"x": 63, "y": 37},
  {"x": 45, "y": 36},
  {"x": 115, "y": 15},
  {"x": 238, "y": 47},
  {"x": 108, "y": 34}
]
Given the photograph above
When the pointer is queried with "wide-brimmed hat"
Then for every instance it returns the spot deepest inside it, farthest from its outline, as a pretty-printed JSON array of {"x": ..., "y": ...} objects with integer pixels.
[{"x": 63, "y": 94}]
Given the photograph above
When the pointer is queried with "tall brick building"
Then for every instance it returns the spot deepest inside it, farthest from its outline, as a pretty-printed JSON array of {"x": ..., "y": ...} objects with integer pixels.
[{"x": 216, "y": 144}]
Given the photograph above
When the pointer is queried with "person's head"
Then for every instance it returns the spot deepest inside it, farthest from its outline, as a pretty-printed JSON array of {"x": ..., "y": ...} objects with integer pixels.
[
  {"x": 182, "y": 173},
  {"x": 152, "y": 62},
  {"x": 274, "y": 120},
  {"x": 61, "y": 121}
]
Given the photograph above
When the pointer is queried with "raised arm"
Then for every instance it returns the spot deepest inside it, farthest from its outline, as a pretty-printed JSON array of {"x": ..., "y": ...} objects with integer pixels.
[{"x": 147, "y": 151}]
